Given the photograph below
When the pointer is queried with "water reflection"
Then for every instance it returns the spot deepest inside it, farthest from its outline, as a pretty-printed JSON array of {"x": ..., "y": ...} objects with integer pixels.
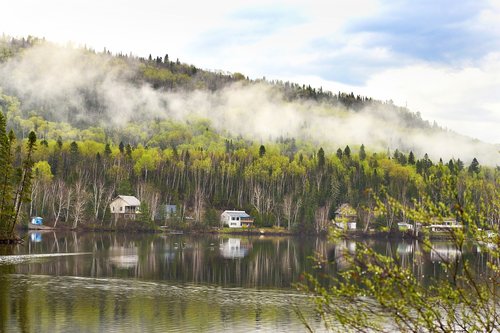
[
  {"x": 444, "y": 252},
  {"x": 36, "y": 237},
  {"x": 102, "y": 282},
  {"x": 340, "y": 252},
  {"x": 270, "y": 262},
  {"x": 233, "y": 248},
  {"x": 123, "y": 257},
  {"x": 75, "y": 304}
]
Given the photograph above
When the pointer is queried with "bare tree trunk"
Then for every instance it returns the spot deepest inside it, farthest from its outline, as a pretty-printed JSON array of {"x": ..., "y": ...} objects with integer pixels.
[
  {"x": 79, "y": 202},
  {"x": 58, "y": 199},
  {"x": 80, "y": 197}
]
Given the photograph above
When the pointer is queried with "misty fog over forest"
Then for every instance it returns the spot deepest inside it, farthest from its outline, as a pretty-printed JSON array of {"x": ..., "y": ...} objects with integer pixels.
[{"x": 84, "y": 88}]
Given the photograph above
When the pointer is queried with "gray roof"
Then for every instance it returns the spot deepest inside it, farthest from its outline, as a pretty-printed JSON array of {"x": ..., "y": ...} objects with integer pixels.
[
  {"x": 236, "y": 213},
  {"x": 130, "y": 200}
]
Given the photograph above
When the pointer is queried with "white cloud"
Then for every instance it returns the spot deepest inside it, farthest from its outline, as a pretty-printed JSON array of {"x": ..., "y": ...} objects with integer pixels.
[{"x": 462, "y": 99}]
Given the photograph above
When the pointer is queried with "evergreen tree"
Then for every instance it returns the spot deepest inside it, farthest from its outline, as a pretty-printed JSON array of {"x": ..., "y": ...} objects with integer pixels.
[
  {"x": 6, "y": 176},
  {"x": 23, "y": 194},
  {"x": 321, "y": 158},
  {"x": 411, "y": 158},
  {"x": 396, "y": 155},
  {"x": 339, "y": 153},
  {"x": 128, "y": 150},
  {"x": 362, "y": 153},
  {"x": 262, "y": 150},
  {"x": 474, "y": 166},
  {"x": 402, "y": 159},
  {"x": 107, "y": 150},
  {"x": 347, "y": 152},
  {"x": 451, "y": 166}
]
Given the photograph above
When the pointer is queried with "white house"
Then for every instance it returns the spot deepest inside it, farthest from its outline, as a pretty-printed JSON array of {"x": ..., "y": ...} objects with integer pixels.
[
  {"x": 236, "y": 219},
  {"x": 125, "y": 206},
  {"x": 345, "y": 217},
  {"x": 444, "y": 224}
]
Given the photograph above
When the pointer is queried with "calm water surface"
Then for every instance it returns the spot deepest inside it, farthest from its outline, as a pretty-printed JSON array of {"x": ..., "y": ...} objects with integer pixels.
[{"x": 85, "y": 282}]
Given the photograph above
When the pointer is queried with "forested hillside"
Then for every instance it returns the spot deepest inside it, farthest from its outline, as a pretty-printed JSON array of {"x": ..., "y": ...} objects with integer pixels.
[{"x": 171, "y": 133}]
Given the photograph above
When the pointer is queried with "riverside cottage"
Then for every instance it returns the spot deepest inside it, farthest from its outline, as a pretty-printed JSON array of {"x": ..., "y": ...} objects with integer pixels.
[
  {"x": 345, "y": 217},
  {"x": 236, "y": 219},
  {"x": 125, "y": 207}
]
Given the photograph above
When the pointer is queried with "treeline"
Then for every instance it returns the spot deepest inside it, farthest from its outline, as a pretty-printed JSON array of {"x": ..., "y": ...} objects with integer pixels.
[{"x": 280, "y": 184}]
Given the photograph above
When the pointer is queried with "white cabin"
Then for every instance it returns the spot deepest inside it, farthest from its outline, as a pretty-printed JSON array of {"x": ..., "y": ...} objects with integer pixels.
[
  {"x": 125, "y": 206},
  {"x": 236, "y": 219}
]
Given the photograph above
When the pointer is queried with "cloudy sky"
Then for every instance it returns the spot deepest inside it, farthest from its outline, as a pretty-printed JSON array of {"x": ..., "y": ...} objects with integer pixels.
[{"x": 438, "y": 57}]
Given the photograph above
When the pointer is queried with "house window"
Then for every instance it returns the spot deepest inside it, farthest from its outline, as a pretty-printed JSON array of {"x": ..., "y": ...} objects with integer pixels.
[
  {"x": 112, "y": 209},
  {"x": 121, "y": 209},
  {"x": 233, "y": 218}
]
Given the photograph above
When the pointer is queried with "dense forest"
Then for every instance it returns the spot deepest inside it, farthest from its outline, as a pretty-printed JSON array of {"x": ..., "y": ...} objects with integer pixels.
[{"x": 85, "y": 157}]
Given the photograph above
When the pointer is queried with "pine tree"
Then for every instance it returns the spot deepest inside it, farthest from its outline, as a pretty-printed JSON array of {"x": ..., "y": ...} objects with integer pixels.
[
  {"x": 474, "y": 166},
  {"x": 411, "y": 158},
  {"x": 362, "y": 153},
  {"x": 128, "y": 150},
  {"x": 262, "y": 150},
  {"x": 6, "y": 172},
  {"x": 23, "y": 194},
  {"x": 347, "y": 152},
  {"x": 107, "y": 150},
  {"x": 339, "y": 153},
  {"x": 321, "y": 158}
]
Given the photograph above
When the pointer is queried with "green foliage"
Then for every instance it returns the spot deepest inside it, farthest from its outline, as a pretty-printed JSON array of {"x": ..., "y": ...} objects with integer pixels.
[
  {"x": 376, "y": 293},
  {"x": 211, "y": 217},
  {"x": 145, "y": 214},
  {"x": 15, "y": 179},
  {"x": 163, "y": 161}
]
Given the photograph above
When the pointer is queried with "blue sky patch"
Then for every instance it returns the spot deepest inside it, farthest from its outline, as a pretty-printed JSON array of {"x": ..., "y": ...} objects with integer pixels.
[{"x": 435, "y": 31}]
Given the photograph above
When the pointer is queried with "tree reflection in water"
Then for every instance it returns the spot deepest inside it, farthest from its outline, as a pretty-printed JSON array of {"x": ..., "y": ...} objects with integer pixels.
[{"x": 106, "y": 281}]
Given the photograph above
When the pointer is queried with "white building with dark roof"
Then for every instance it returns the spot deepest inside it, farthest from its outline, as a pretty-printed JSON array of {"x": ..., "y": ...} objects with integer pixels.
[{"x": 236, "y": 219}]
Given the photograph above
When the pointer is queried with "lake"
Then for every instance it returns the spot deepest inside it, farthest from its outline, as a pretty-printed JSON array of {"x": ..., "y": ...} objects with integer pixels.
[{"x": 116, "y": 282}]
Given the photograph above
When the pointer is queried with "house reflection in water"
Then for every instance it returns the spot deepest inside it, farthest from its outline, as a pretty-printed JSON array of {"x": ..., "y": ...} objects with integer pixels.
[
  {"x": 445, "y": 252},
  {"x": 234, "y": 248},
  {"x": 123, "y": 257},
  {"x": 342, "y": 249},
  {"x": 36, "y": 237}
]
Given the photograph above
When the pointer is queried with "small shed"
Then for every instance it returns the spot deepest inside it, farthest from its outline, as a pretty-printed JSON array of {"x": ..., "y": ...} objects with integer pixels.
[
  {"x": 236, "y": 219},
  {"x": 345, "y": 217},
  {"x": 125, "y": 206},
  {"x": 36, "y": 220}
]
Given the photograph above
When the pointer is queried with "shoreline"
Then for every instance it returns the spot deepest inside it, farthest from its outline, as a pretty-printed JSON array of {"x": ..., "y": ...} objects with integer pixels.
[{"x": 356, "y": 234}]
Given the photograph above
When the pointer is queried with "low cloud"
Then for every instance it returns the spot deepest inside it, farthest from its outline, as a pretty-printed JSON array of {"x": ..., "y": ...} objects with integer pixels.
[{"x": 71, "y": 84}]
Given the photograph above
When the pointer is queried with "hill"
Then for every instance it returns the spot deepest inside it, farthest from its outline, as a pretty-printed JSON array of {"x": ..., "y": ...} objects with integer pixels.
[
  {"x": 86, "y": 89},
  {"x": 170, "y": 133}
]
